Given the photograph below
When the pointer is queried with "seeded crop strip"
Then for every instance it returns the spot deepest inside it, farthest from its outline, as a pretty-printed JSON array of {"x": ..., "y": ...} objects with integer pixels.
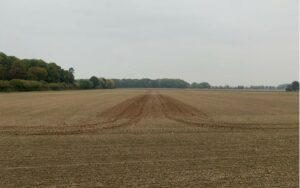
[{"x": 142, "y": 138}]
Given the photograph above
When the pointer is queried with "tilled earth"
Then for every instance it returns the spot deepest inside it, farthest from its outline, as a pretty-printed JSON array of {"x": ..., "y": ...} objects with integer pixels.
[{"x": 148, "y": 138}]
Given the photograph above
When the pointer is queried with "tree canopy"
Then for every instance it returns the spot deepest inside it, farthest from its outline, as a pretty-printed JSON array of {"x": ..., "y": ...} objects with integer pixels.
[
  {"x": 36, "y": 74},
  {"x": 33, "y": 69},
  {"x": 95, "y": 83},
  {"x": 149, "y": 83},
  {"x": 202, "y": 85},
  {"x": 294, "y": 86}
]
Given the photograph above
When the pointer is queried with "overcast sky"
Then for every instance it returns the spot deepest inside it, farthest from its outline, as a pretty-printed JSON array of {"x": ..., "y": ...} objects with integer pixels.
[{"x": 219, "y": 41}]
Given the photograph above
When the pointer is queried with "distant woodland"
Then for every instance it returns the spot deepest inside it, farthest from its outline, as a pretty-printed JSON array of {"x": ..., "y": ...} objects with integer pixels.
[
  {"x": 37, "y": 75},
  {"x": 149, "y": 83}
]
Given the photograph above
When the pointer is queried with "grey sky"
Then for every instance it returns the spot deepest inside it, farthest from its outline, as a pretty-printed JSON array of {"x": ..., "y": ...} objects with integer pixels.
[{"x": 219, "y": 41}]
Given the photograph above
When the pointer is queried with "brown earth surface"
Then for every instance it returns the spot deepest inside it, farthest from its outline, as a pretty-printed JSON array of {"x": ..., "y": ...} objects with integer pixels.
[
  {"x": 149, "y": 138},
  {"x": 151, "y": 106}
]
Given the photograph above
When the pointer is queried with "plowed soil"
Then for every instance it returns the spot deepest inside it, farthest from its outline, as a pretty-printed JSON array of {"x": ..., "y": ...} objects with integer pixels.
[
  {"x": 149, "y": 138},
  {"x": 151, "y": 106}
]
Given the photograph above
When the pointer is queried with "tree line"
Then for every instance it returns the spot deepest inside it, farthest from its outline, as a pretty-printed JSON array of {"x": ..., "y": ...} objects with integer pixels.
[
  {"x": 151, "y": 83},
  {"x": 202, "y": 85},
  {"x": 95, "y": 83},
  {"x": 294, "y": 86},
  {"x": 12, "y": 67},
  {"x": 35, "y": 74}
]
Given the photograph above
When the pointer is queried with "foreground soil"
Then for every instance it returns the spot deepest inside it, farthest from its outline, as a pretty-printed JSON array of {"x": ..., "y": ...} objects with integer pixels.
[{"x": 149, "y": 138}]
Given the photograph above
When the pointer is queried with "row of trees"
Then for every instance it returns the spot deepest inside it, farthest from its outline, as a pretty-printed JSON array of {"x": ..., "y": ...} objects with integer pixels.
[
  {"x": 259, "y": 87},
  {"x": 33, "y": 69},
  {"x": 202, "y": 85},
  {"x": 149, "y": 83},
  {"x": 294, "y": 86},
  {"x": 95, "y": 83},
  {"x": 31, "y": 85},
  {"x": 35, "y": 74}
]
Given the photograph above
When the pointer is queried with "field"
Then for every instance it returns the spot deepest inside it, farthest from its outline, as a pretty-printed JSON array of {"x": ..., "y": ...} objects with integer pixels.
[{"x": 149, "y": 138}]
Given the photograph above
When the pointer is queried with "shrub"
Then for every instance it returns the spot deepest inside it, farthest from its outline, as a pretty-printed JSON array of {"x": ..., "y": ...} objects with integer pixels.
[
  {"x": 26, "y": 85},
  {"x": 57, "y": 86},
  {"x": 5, "y": 86},
  {"x": 84, "y": 84}
]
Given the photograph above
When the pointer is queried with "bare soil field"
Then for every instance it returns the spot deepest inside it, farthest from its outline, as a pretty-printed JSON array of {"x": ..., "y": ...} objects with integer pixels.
[{"x": 149, "y": 138}]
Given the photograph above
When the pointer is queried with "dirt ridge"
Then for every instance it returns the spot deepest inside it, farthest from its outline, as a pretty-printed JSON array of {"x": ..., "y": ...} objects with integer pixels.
[{"x": 150, "y": 106}]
